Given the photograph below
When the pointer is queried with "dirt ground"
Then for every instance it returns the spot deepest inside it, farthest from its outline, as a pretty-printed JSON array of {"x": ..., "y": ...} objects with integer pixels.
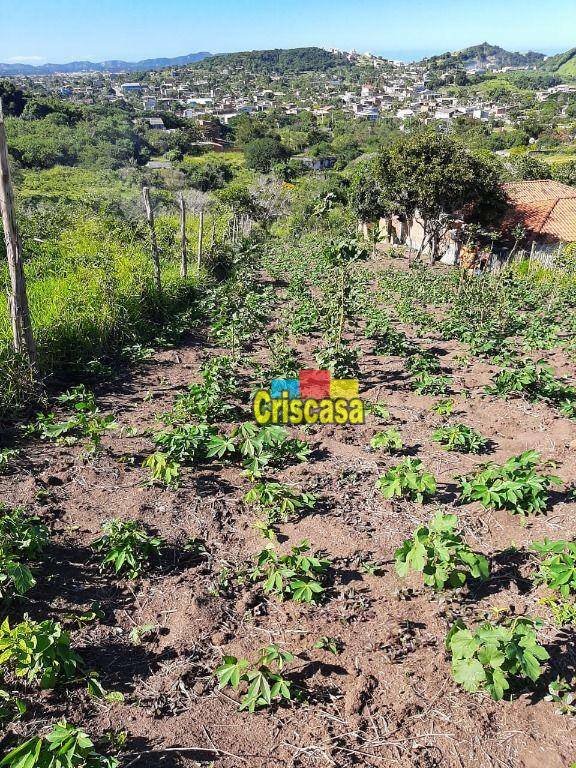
[{"x": 388, "y": 700}]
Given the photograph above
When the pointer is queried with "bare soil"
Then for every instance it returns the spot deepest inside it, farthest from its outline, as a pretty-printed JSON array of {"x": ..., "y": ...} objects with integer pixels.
[{"x": 388, "y": 700}]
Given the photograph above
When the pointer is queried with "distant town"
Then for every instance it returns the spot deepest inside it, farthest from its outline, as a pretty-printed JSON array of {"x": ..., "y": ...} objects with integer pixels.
[{"x": 367, "y": 87}]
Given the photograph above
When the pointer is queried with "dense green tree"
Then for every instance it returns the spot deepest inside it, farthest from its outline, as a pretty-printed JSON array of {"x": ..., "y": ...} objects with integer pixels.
[
  {"x": 565, "y": 172},
  {"x": 209, "y": 176},
  {"x": 263, "y": 154},
  {"x": 434, "y": 179},
  {"x": 13, "y": 101},
  {"x": 526, "y": 167}
]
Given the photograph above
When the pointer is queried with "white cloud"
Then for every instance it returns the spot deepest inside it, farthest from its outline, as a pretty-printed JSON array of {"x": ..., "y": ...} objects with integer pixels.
[{"x": 26, "y": 59}]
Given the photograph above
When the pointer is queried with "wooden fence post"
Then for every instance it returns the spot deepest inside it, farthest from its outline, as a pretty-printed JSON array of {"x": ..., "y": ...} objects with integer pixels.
[
  {"x": 17, "y": 296},
  {"x": 184, "y": 255},
  {"x": 200, "y": 238},
  {"x": 153, "y": 241}
]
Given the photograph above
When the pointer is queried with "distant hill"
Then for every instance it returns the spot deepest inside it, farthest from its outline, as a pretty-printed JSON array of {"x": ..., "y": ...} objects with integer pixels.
[
  {"x": 485, "y": 56},
  {"x": 281, "y": 60},
  {"x": 562, "y": 63},
  {"x": 103, "y": 66}
]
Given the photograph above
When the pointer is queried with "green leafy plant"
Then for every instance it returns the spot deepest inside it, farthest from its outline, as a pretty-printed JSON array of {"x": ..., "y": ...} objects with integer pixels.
[
  {"x": 423, "y": 362},
  {"x": 460, "y": 438},
  {"x": 207, "y": 402},
  {"x": 563, "y": 695},
  {"x": 495, "y": 656},
  {"x": 563, "y": 611},
  {"x": 278, "y": 501},
  {"x": 296, "y": 576},
  {"x": 389, "y": 440},
  {"x": 515, "y": 485},
  {"x": 22, "y": 533},
  {"x": 63, "y": 747},
  {"x": 388, "y": 341},
  {"x": 440, "y": 553},
  {"x": 125, "y": 546},
  {"x": 443, "y": 407},
  {"x": 87, "y": 420},
  {"x": 11, "y": 706},
  {"x": 265, "y": 684},
  {"x": 38, "y": 651},
  {"x": 340, "y": 359},
  {"x": 163, "y": 469},
  {"x": 536, "y": 381},
  {"x": 407, "y": 480},
  {"x": 330, "y": 644},
  {"x": 6, "y": 457},
  {"x": 557, "y": 565},
  {"x": 378, "y": 410},
  {"x": 267, "y": 446},
  {"x": 22, "y": 538},
  {"x": 430, "y": 384}
]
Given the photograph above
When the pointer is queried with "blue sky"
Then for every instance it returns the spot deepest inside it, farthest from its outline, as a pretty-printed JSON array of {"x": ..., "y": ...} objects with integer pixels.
[{"x": 63, "y": 30}]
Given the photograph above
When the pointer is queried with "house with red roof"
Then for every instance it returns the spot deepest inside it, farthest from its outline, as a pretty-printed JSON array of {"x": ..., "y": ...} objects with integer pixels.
[{"x": 545, "y": 209}]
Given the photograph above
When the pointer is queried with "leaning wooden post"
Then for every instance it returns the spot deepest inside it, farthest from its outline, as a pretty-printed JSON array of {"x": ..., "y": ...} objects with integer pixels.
[
  {"x": 184, "y": 256},
  {"x": 17, "y": 296},
  {"x": 153, "y": 241},
  {"x": 200, "y": 238}
]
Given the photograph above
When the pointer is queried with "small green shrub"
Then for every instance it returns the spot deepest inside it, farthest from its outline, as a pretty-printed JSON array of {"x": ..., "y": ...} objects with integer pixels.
[
  {"x": 515, "y": 485},
  {"x": 64, "y": 747},
  {"x": 207, "y": 402},
  {"x": 21, "y": 533},
  {"x": 495, "y": 656},
  {"x": 535, "y": 381},
  {"x": 22, "y": 538},
  {"x": 439, "y": 552},
  {"x": 41, "y": 651},
  {"x": 126, "y": 547},
  {"x": 278, "y": 501},
  {"x": 460, "y": 438},
  {"x": 443, "y": 407},
  {"x": 264, "y": 680},
  {"x": 423, "y": 362},
  {"x": 87, "y": 421},
  {"x": 389, "y": 440},
  {"x": 297, "y": 576},
  {"x": 340, "y": 359},
  {"x": 407, "y": 480},
  {"x": 6, "y": 457},
  {"x": 557, "y": 565},
  {"x": 429, "y": 384}
]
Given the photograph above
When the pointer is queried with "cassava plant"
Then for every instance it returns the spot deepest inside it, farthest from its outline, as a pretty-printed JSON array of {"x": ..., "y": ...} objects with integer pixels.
[
  {"x": 407, "y": 480},
  {"x": 126, "y": 547},
  {"x": 297, "y": 576},
  {"x": 439, "y": 552},
  {"x": 515, "y": 486},
  {"x": 264, "y": 681},
  {"x": 461, "y": 438},
  {"x": 63, "y": 747},
  {"x": 557, "y": 565},
  {"x": 496, "y": 657},
  {"x": 39, "y": 652},
  {"x": 389, "y": 440}
]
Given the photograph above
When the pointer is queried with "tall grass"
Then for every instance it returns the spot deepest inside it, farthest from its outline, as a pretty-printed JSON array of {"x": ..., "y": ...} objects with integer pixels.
[{"x": 91, "y": 291}]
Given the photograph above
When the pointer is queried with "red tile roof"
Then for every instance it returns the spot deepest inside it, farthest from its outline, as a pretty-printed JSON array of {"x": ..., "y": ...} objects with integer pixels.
[{"x": 546, "y": 209}]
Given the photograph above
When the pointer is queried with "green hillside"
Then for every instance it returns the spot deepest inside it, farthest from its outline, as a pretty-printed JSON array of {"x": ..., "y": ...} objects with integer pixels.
[
  {"x": 562, "y": 63},
  {"x": 285, "y": 61},
  {"x": 484, "y": 56}
]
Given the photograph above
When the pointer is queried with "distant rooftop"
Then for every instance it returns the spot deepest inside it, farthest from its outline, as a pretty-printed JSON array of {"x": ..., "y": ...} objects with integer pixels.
[{"x": 544, "y": 207}]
